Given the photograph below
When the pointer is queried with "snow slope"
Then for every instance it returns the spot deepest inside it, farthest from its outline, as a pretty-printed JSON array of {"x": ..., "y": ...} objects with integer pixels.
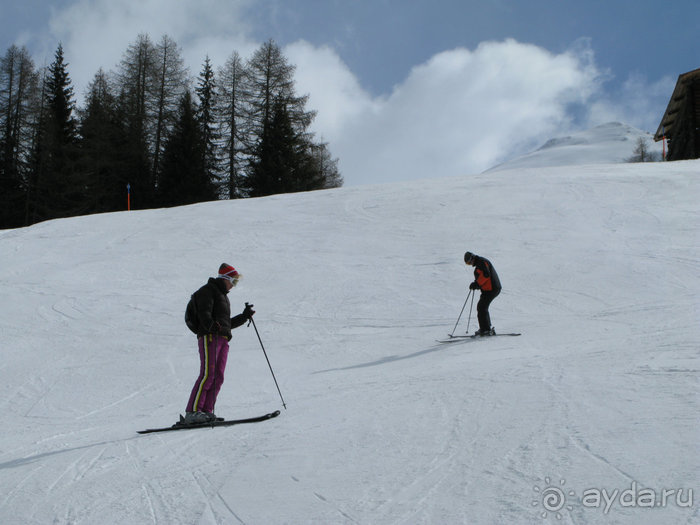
[
  {"x": 600, "y": 267},
  {"x": 609, "y": 143}
]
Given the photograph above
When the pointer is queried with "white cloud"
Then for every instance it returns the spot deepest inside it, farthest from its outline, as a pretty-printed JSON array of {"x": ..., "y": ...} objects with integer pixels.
[
  {"x": 637, "y": 103},
  {"x": 460, "y": 112},
  {"x": 96, "y": 33},
  {"x": 334, "y": 91}
]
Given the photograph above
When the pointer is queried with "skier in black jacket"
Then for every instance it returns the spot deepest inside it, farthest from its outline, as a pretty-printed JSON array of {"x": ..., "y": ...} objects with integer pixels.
[
  {"x": 485, "y": 279},
  {"x": 213, "y": 334}
]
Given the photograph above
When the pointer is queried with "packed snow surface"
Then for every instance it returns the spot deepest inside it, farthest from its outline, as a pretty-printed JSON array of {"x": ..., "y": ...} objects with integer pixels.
[{"x": 601, "y": 270}]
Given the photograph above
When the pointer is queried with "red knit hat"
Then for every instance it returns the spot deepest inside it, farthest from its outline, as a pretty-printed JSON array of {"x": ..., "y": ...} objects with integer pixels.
[{"x": 226, "y": 271}]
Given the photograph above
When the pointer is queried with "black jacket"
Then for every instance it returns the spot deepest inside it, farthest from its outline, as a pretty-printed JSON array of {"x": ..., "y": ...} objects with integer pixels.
[
  {"x": 485, "y": 275},
  {"x": 214, "y": 310}
]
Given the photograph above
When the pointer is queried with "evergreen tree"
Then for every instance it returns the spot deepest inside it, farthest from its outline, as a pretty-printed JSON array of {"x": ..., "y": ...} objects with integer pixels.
[
  {"x": 285, "y": 161},
  {"x": 184, "y": 175},
  {"x": 38, "y": 158},
  {"x": 135, "y": 84},
  {"x": 275, "y": 160},
  {"x": 102, "y": 143},
  {"x": 325, "y": 166},
  {"x": 272, "y": 79},
  {"x": 285, "y": 158},
  {"x": 170, "y": 84},
  {"x": 206, "y": 93},
  {"x": 232, "y": 119},
  {"x": 59, "y": 192},
  {"x": 18, "y": 101}
]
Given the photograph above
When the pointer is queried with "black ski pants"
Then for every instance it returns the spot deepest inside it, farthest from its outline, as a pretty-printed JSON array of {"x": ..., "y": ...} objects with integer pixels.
[{"x": 482, "y": 308}]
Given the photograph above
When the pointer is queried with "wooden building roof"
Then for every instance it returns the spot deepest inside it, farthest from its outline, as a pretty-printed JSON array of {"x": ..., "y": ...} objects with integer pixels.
[{"x": 676, "y": 103}]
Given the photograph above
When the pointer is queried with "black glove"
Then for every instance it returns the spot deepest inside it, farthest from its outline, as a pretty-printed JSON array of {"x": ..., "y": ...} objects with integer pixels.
[
  {"x": 248, "y": 312},
  {"x": 474, "y": 286}
]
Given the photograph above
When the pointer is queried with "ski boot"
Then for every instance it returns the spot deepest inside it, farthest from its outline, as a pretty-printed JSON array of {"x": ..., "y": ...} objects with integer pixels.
[{"x": 194, "y": 418}]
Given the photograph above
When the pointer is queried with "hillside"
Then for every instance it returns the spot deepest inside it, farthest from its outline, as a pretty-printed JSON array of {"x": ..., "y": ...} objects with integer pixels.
[{"x": 600, "y": 268}]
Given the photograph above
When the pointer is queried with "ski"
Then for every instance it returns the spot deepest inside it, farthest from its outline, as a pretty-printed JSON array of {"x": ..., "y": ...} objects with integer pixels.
[
  {"x": 218, "y": 423},
  {"x": 455, "y": 338}
]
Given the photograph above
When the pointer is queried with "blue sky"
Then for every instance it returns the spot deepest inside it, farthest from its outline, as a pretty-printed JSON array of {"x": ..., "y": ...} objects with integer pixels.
[{"x": 408, "y": 89}]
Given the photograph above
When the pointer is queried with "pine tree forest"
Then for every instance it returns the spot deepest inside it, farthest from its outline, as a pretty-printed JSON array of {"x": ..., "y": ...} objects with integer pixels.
[{"x": 148, "y": 135}]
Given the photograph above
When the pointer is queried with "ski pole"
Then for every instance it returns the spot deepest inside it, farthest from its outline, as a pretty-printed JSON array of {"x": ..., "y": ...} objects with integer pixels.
[
  {"x": 460, "y": 313},
  {"x": 268, "y": 361},
  {"x": 470, "y": 313}
]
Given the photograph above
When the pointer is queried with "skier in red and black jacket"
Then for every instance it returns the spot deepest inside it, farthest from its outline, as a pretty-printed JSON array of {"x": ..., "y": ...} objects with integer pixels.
[{"x": 485, "y": 279}]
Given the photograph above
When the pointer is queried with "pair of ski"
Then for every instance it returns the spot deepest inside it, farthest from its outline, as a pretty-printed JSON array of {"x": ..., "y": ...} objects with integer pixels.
[
  {"x": 456, "y": 338},
  {"x": 180, "y": 425}
]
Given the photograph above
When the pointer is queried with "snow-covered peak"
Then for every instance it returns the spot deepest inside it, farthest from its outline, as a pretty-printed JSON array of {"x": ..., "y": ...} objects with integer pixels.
[{"x": 609, "y": 143}]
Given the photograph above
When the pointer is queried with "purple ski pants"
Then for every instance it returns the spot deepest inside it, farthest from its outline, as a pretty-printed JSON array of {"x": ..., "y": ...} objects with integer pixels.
[{"x": 213, "y": 353}]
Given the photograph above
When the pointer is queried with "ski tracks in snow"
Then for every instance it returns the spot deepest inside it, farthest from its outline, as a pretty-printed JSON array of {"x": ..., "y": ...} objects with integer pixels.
[
  {"x": 444, "y": 473},
  {"x": 216, "y": 504}
]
